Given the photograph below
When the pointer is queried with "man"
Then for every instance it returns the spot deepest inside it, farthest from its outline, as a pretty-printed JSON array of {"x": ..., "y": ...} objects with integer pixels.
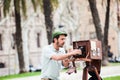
[{"x": 53, "y": 56}]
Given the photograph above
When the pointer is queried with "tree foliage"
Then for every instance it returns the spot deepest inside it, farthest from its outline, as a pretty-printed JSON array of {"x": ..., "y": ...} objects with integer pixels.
[{"x": 7, "y": 5}]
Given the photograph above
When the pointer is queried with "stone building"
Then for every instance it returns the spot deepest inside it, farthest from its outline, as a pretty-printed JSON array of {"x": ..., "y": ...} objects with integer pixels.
[{"x": 74, "y": 15}]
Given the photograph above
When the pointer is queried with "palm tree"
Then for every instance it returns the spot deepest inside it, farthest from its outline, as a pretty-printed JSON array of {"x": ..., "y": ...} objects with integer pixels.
[
  {"x": 96, "y": 20},
  {"x": 48, "y": 21},
  {"x": 19, "y": 35},
  {"x": 118, "y": 23},
  {"x": 106, "y": 28},
  {"x": 47, "y": 7},
  {"x": 18, "y": 28}
]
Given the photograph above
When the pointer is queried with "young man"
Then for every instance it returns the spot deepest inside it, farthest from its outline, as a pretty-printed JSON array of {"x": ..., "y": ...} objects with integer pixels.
[{"x": 53, "y": 57}]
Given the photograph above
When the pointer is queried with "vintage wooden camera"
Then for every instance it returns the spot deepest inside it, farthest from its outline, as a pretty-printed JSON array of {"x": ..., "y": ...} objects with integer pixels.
[
  {"x": 92, "y": 55},
  {"x": 90, "y": 49}
]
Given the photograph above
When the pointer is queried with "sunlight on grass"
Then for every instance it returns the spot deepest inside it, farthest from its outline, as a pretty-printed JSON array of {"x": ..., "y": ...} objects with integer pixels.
[
  {"x": 112, "y": 78},
  {"x": 20, "y": 75},
  {"x": 114, "y": 64},
  {"x": 64, "y": 70}
]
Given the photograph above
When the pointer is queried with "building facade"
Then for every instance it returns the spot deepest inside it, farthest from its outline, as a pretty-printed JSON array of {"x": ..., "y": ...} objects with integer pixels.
[{"x": 74, "y": 16}]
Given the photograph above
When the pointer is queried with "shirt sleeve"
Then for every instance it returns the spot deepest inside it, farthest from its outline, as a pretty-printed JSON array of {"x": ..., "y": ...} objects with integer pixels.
[{"x": 47, "y": 53}]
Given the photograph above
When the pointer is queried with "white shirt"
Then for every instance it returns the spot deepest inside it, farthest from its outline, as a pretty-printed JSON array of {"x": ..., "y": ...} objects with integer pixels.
[{"x": 51, "y": 68}]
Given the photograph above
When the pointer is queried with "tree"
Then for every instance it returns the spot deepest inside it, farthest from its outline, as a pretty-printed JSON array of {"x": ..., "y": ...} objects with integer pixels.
[
  {"x": 118, "y": 23},
  {"x": 18, "y": 33},
  {"x": 102, "y": 37},
  {"x": 17, "y": 8},
  {"x": 106, "y": 28},
  {"x": 47, "y": 7}
]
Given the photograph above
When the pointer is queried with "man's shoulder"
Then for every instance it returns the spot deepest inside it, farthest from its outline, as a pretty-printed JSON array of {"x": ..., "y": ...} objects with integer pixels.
[{"x": 46, "y": 47}]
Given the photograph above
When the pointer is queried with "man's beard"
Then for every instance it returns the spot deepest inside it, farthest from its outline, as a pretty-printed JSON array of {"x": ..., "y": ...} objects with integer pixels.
[{"x": 59, "y": 44}]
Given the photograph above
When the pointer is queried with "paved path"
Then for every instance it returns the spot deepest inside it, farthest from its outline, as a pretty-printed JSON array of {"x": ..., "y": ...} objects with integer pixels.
[{"x": 105, "y": 72}]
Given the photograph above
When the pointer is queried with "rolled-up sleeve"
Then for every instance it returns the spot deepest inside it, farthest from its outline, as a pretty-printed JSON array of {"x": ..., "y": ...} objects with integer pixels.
[{"x": 47, "y": 53}]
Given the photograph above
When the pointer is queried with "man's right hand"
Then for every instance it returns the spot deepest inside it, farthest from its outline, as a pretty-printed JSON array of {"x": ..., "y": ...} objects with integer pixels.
[{"x": 76, "y": 51}]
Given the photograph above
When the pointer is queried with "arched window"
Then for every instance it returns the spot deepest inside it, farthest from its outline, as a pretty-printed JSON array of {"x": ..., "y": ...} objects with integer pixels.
[
  {"x": 38, "y": 40},
  {"x": 13, "y": 41},
  {"x": 1, "y": 48},
  {"x": 70, "y": 38}
]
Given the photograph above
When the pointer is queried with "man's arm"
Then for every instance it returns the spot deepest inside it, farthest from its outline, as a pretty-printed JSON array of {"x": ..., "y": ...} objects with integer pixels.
[{"x": 64, "y": 56}]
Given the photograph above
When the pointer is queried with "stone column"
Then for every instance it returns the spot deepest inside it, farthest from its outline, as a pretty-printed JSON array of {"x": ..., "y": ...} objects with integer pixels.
[
  {"x": 119, "y": 43},
  {"x": 25, "y": 47}
]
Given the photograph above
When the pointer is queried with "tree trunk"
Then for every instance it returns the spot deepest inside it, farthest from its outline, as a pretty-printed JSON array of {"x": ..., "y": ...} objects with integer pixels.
[
  {"x": 100, "y": 36},
  {"x": 106, "y": 28},
  {"x": 48, "y": 18},
  {"x": 118, "y": 23},
  {"x": 96, "y": 19},
  {"x": 19, "y": 36}
]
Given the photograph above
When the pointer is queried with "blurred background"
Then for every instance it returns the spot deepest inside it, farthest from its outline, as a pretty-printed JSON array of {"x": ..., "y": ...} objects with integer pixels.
[{"x": 26, "y": 26}]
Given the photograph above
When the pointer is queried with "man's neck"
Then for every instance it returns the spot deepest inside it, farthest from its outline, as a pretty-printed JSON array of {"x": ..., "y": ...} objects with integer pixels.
[{"x": 56, "y": 46}]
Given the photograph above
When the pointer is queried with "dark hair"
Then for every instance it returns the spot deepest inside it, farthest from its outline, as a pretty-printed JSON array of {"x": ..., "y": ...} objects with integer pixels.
[{"x": 56, "y": 38}]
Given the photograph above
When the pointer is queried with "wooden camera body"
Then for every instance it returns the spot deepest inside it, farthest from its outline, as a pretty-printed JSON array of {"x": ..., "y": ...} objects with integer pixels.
[
  {"x": 92, "y": 55},
  {"x": 90, "y": 49}
]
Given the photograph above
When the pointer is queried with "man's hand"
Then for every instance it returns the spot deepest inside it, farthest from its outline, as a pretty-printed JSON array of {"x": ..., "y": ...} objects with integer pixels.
[
  {"x": 76, "y": 51},
  {"x": 66, "y": 62}
]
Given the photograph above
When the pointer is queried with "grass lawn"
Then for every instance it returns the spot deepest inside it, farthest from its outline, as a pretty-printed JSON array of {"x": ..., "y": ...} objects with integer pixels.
[
  {"x": 112, "y": 78},
  {"x": 20, "y": 75},
  {"x": 38, "y": 73},
  {"x": 114, "y": 64}
]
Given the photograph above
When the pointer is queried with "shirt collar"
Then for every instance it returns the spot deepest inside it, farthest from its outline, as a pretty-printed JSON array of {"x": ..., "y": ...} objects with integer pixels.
[{"x": 54, "y": 48}]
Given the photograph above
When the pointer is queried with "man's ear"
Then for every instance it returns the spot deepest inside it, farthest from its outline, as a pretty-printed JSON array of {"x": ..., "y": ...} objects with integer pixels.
[{"x": 54, "y": 39}]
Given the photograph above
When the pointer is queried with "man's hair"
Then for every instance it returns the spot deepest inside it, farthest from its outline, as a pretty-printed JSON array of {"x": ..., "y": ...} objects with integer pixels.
[{"x": 56, "y": 38}]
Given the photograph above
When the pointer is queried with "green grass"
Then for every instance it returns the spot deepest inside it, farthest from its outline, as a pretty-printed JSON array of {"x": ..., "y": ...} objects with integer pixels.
[
  {"x": 114, "y": 64},
  {"x": 38, "y": 73},
  {"x": 64, "y": 70},
  {"x": 112, "y": 78},
  {"x": 19, "y": 75}
]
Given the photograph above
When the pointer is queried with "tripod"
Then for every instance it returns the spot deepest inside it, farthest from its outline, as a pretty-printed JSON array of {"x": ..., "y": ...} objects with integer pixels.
[{"x": 92, "y": 68}]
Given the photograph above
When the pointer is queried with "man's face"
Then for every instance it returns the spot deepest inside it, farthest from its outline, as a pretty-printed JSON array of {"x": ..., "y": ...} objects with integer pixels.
[{"x": 60, "y": 41}]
